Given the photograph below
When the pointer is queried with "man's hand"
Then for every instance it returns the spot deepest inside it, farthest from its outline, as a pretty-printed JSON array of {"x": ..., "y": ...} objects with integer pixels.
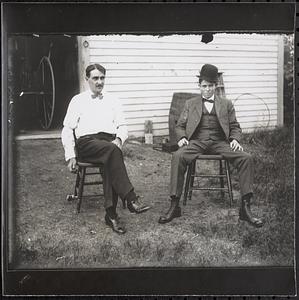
[
  {"x": 234, "y": 144},
  {"x": 72, "y": 165},
  {"x": 117, "y": 142},
  {"x": 183, "y": 142}
]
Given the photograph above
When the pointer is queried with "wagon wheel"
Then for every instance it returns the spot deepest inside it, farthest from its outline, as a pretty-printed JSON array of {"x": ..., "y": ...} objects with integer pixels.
[{"x": 46, "y": 96}]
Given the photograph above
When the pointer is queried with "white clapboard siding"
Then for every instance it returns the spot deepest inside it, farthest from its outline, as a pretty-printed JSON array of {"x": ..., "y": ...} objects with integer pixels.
[
  {"x": 182, "y": 73},
  {"x": 223, "y": 66},
  {"x": 249, "y": 39},
  {"x": 144, "y": 71},
  {"x": 154, "y": 54},
  {"x": 267, "y": 79},
  {"x": 166, "y": 60},
  {"x": 246, "y": 99}
]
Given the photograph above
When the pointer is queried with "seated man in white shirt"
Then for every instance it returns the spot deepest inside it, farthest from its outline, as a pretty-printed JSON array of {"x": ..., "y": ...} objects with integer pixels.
[{"x": 100, "y": 129}]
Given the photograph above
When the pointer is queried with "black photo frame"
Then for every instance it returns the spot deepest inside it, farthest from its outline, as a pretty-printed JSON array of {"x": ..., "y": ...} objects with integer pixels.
[{"x": 150, "y": 18}]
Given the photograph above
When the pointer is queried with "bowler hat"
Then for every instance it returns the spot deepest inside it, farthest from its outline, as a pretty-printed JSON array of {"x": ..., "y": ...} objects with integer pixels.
[{"x": 209, "y": 73}]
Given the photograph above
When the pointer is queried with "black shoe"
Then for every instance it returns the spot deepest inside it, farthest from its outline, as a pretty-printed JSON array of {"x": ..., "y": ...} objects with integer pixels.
[
  {"x": 136, "y": 207},
  {"x": 173, "y": 212},
  {"x": 245, "y": 214},
  {"x": 114, "y": 224}
]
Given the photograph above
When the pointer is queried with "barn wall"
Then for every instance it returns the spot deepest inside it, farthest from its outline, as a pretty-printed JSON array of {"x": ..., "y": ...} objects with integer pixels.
[{"x": 145, "y": 71}]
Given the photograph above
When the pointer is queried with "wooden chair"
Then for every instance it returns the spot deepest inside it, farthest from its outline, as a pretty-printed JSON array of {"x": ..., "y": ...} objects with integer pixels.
[
  {"x": 177, "y": 105},
  {"x": 85, "y": 169},
  {"x": 224, "y": 172}
]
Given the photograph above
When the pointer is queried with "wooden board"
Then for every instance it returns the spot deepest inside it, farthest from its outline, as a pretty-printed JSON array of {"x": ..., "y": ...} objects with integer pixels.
[{"x": 177, "y": 105}]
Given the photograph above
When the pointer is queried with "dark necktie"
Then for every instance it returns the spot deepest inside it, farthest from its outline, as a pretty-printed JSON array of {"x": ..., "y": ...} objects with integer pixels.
[
  {"x": 207, "y": 100},
  {"x": 99, "y": 96}
]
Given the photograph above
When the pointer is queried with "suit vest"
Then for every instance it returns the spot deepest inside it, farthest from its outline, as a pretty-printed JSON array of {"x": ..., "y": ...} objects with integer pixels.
[{"x": 209, "y": 127}]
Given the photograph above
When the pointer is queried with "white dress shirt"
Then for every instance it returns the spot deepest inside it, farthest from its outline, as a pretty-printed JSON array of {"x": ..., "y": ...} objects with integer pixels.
[
  {"x": 88, "y": 115},
  {"x": 208, "y": 105}
]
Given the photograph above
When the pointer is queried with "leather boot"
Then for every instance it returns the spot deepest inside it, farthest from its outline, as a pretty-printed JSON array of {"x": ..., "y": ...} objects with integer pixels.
[
  {"x": 173, "y": 212},
  {"x": 245, "y": 213}
]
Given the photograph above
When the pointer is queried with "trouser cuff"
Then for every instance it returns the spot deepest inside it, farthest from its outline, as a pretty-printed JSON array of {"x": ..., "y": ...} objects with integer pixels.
[
  {"x": 247, "y": 196},
  {"x": 131, "y": 196},
  {"x": 111, "y": 212}
]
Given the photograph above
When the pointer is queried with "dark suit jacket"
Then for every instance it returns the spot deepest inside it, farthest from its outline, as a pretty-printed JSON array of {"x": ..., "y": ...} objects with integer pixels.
[{"x": 192, "y": 112}]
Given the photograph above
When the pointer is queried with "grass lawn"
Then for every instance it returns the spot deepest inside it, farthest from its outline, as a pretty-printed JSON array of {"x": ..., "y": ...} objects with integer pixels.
[{"x": 50, "y": 234}]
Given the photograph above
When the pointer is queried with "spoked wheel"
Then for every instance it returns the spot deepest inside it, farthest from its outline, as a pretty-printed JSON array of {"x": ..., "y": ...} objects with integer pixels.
[{"x": 46, "y": 96}]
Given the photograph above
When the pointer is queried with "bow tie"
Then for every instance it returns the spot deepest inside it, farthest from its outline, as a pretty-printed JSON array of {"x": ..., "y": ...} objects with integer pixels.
[
  {"x": 94, "y": 96},
  {"x": 207, "y": 100}
]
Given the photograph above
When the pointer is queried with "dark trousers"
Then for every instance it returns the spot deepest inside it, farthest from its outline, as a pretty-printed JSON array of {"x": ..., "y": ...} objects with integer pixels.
[
  {"x": 241, "y": 160},
  {"x": 97, "y": 148}
]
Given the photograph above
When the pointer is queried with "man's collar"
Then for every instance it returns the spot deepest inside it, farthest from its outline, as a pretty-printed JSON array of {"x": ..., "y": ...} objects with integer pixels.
[
  {"x": 96, "y": 96},
  {"x": 211, "y": 99}
]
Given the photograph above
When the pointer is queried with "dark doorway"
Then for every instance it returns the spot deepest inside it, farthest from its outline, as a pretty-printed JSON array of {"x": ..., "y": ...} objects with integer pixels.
[{"x": 57, "y": 74}]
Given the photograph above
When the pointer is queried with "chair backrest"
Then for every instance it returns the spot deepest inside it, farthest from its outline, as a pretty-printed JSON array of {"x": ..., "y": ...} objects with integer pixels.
[{"x": 177, "y": 105}]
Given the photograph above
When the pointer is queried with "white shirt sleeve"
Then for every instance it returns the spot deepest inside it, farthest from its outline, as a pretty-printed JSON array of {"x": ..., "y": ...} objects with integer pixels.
[
  {"x": 121, "y": 125},
  {"x": 69, "y": 124}
]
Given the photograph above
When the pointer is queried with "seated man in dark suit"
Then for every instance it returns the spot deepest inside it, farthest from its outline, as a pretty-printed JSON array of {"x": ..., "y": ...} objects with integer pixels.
[
  {"x": 100, "y": 128},
  {"x": 208, "y": 125}
]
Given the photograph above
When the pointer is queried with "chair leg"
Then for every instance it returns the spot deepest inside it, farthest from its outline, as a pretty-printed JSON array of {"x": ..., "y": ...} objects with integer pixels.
[
  {"x": 72, "y": 197},
  {"x": 190, "y": 188},
  {"x": 101, "y": 173},
  {"x": 81, "y": 186},
  {"x": 187, "y": 183},
  {"x": 221, "y": 178},
  {"x": 124, "y": 203},
  {"x": 77, "y": 184},
  {"x": 229, "y": 183}
]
